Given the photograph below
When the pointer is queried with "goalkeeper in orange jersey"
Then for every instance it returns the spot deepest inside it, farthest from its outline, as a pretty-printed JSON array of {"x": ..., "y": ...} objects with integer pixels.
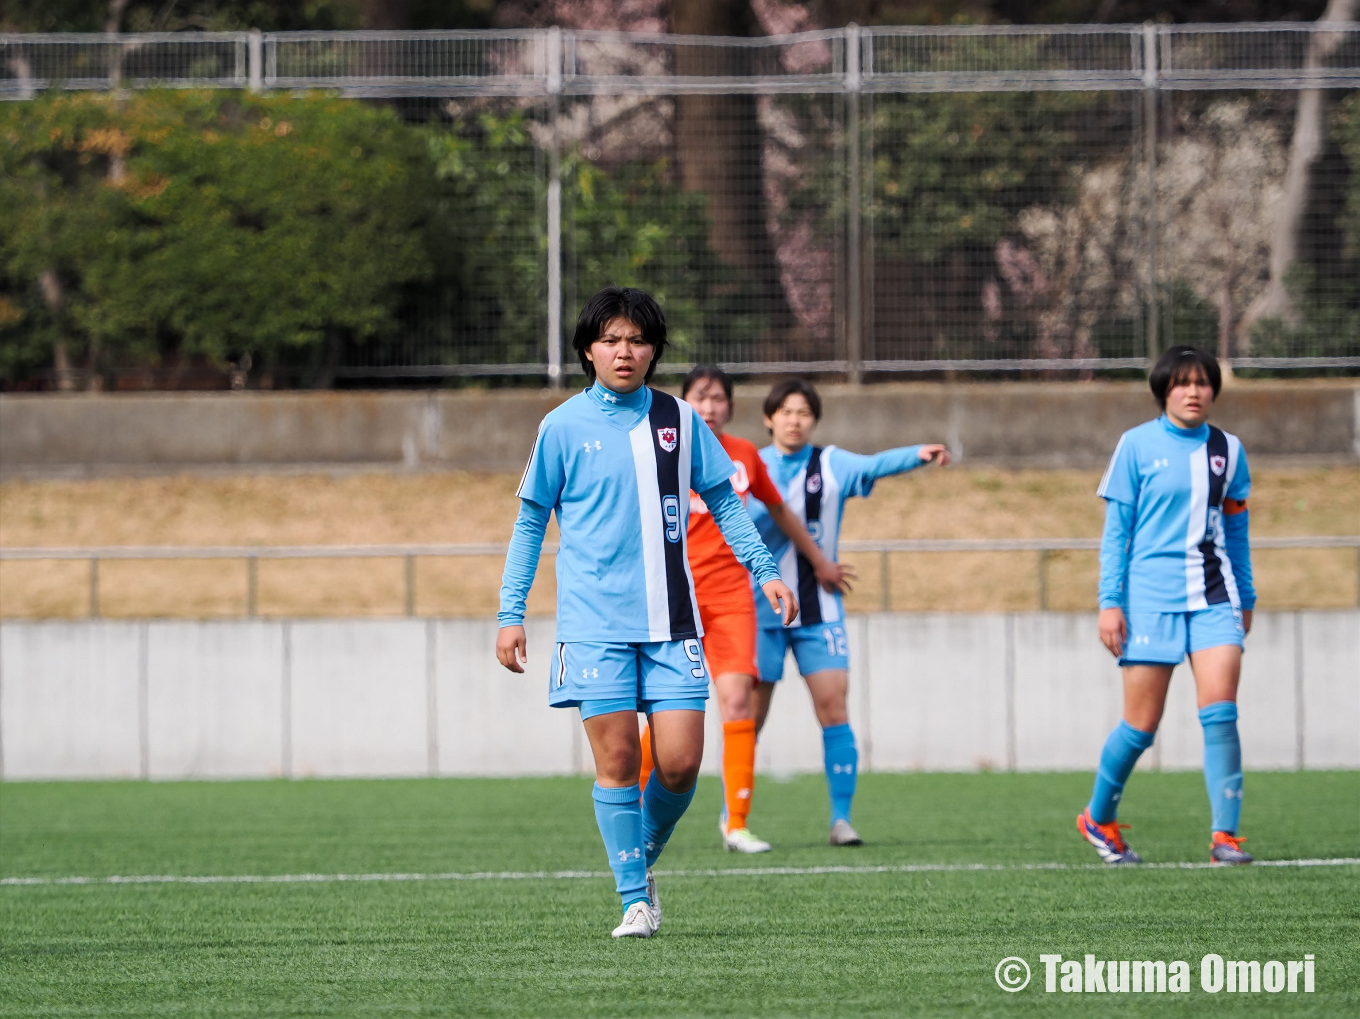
[{"x": 722, "y": 588}]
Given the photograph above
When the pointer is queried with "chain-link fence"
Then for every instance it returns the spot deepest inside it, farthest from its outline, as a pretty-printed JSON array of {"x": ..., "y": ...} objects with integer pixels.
[{"x": 851, "y": 201}]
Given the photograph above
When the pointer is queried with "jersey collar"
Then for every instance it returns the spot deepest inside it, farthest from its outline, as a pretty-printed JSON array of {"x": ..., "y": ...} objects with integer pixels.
[
  {"x": 624, "y": 409},
  {"x": 799, "y": 458},
  {"x": 1201, "y": 433}
]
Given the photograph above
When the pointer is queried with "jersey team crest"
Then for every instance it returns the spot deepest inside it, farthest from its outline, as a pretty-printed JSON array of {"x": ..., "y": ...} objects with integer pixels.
[
  {"x": 668, "y": 437},
  {"x": 814, "y": 483},
  {"x": 1218, "y": 464}
]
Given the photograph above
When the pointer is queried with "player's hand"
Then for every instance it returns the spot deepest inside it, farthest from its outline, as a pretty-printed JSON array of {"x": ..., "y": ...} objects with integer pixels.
[
  {"x": 935, "y": 453},
  {"x": 1114, "y": 630},
  {"x": 1246, "y": 621},
  {"x": 512, "y": 648},
  {"x": 835, "y": 577},
  {"x": 778, "y": 592}
]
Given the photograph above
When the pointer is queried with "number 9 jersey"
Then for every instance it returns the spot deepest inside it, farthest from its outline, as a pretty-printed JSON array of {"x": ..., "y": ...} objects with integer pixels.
[{"x": 618, "y": 474}]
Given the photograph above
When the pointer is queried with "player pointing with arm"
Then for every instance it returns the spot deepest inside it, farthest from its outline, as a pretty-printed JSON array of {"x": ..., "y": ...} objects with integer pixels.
[
  {"x": 616, "y": 464},
  {"x": 815, "y": 483},
  {"x": 1175, "y": 579}
]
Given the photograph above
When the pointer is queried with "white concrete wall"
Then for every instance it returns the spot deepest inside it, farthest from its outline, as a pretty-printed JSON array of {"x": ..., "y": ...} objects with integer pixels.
[{"x": 1032, "y": 692}]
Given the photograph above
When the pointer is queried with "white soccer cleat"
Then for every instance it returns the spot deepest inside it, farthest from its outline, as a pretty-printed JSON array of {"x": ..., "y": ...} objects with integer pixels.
[
  {"x": 740, "y": 840},
  {"x": 654, "y": 898},
  {"x": 638, "y": 922},
  {"x": 843, "y": 835}
]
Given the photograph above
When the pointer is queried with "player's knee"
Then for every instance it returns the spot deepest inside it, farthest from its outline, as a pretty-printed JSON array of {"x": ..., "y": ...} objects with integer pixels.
[{"x": 680, "y": 768}]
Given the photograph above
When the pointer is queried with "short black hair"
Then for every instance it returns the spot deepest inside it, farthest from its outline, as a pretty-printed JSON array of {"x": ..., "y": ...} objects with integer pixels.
[
  {"x": 637, "y": 306},
  {"x": 781, "y": 391},
  {"x": 703, "y": 372},
  {"x": 1178, "y": 365}
]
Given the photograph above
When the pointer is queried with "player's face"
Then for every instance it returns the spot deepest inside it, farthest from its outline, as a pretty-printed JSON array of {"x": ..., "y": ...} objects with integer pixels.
[
  {"x": 1188, "y": 400},
  {"x": 620, "y": 356},
  {"x": 709, "y": 400},
  {"x": 792, "y": 424}
]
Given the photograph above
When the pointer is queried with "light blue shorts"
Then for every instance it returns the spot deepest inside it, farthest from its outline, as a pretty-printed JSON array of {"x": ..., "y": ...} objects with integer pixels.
[
  {"x": 816, "y": 648},
  {"x": 1165, "y": 638},
  {"x": 671, "y": 670}
]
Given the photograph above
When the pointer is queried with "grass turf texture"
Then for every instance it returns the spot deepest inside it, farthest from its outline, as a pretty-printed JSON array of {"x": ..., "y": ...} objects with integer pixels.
[{"x": 919, "y": 943}]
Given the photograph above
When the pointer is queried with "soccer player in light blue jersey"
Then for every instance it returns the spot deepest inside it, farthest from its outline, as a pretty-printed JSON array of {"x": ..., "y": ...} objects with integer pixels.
[
  {"x": 1175, "y": 579},
  {"x": 616, "y": 464},
  {"x": 815, "y": 482}
]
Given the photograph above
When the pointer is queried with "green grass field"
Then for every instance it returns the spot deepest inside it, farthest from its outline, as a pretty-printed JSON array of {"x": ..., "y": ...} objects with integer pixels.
[{"x": 743, "y": 941}]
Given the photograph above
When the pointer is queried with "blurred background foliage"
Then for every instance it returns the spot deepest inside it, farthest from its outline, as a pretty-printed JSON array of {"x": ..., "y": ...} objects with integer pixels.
[{"x": 264, "y": 237}]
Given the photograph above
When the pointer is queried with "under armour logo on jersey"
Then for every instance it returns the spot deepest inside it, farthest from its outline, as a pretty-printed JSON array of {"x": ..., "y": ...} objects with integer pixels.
[
  {"x": 591, "y": 447},
  {"x": 667, "y": 439},
  {"x": 1218, "y": 464},
  {"x": 590, "y": 673},
  {"x": 608, "y": 397},
  {"x": 1163, "y": 462},
  {"x": 842, "y": 769}
]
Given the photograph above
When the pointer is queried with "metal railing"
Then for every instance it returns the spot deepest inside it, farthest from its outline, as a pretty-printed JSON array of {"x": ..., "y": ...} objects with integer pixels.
[
  {"x": 861, "y": 278},
  {"x": 250, "y": 555}
]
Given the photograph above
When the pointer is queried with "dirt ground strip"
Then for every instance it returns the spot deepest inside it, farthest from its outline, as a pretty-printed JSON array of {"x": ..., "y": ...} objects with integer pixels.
[{"x": 378, "y": 508}]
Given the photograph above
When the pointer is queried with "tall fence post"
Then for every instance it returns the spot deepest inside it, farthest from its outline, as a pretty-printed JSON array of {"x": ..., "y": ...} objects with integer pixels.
[
  {"x": 854, "y": 243},
  {"x": 255, "y": 61},
  {"x": 1150, "y": 94},
  {"x": 94, "y": 587},
  {"x": 410, "y": 585},
  {"x": 252, "y": 586},
  {"x": 1043, "y": 579},
  {"x": 555, "y": 379}
]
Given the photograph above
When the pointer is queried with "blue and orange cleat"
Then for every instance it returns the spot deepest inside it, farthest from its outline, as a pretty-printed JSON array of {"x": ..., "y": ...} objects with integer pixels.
[
  {"x": 1106, "y": 838},
  {"x": 1226, "y": 850}
]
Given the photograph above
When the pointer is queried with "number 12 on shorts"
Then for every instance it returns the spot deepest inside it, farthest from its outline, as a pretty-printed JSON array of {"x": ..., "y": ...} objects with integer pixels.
[
  {"x": 695, "y": 655},
  {"x": 836, "y": 646}
]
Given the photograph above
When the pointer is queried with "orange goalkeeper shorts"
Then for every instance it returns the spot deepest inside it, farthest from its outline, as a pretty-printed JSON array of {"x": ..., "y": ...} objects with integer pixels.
[{"x": 730, "y": 639}]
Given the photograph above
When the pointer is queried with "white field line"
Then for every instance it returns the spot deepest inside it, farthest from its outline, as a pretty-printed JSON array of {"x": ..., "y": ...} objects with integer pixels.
[{"x": 576, "y": 875}]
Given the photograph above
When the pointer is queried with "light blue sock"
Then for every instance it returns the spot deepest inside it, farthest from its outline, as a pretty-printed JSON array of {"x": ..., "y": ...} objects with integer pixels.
[
  {"x": 619, "y": 816},
  {"x": 841, "y": 760},
  {"x": 1222, "y": 764},
  {"x": 1123, "y": 747},
  {"x": 661, "y": 808}
]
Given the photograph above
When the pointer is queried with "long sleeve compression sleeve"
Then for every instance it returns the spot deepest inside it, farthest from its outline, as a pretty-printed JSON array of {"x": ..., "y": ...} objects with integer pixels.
[
  {"x": 893, "y": 461},
  {"x": 521, "y": 561},
  {"x": 1114, "y": 553},
  {"x": 1235, "y": 528},
  {"x": 736, "y": 526}
]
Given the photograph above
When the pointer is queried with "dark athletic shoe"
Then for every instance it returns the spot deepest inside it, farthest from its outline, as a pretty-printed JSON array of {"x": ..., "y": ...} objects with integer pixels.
[
  {"x": 1226, "y": 850},
  {"x": 1107, "y": 839}
]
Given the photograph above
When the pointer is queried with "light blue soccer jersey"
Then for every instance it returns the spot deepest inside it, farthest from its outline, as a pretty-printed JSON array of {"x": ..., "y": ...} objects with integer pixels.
[
  {"x": 1169, "y": 547},
  {"x": 618, "y": 469},
  {"x": 815, "y": 483}
]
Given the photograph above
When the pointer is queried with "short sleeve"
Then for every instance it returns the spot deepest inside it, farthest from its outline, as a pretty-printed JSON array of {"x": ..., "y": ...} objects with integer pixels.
[
  {"x": 1239, "y": 486},
  {"x": 1120, "y": 483},
  {"x": 762, "y": 485},
  {"x": 709, "y": 463},
  {"x": 545, "y": 474}
]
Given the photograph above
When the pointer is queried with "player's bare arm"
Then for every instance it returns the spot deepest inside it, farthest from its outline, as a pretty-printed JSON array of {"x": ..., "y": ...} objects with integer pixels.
[{"x": 833, "y": 576}]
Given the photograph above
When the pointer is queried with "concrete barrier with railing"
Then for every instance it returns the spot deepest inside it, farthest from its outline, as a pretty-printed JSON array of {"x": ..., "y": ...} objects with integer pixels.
[
  {"x": 168, "y": 699},
  {"x": 250, "y": 555}
]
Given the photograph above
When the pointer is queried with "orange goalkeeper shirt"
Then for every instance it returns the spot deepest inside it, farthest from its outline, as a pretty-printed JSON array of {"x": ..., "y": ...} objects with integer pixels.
[{"x": 720, "y": 581}]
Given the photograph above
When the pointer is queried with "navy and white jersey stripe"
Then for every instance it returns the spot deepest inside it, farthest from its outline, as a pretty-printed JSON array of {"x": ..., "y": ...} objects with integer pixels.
[
  {"x": 813, "y": 495},
  {"x": 663, "y": 476}
]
